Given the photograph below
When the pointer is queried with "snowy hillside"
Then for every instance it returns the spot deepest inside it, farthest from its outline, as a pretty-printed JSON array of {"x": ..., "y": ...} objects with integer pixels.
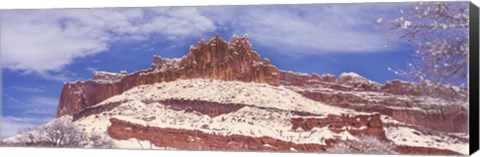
[
  {"x": 259, "y": 119},
  {"x": 253, "y": 110},
  {"x": 254, "y": 94}
]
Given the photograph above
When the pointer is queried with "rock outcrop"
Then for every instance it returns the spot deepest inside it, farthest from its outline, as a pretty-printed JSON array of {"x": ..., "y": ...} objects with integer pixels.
[
  {"x": 215, "y": 59},
  {"x": 369, "y": 125},
  {"x": 405, "y": 103},
  {"x": 198, "y": 140}
]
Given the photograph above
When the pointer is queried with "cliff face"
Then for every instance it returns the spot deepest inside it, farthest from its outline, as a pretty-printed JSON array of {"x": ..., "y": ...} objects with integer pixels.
[
  {"x": 215, "y": 59},
  {"x": 422, "y": 104}
]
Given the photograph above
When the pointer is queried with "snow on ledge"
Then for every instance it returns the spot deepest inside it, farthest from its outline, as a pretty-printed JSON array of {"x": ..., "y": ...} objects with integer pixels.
[{"x": 350, "y": 74}]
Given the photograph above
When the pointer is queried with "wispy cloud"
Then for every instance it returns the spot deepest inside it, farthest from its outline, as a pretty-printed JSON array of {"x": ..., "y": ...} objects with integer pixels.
[
  {"x": 43, "y": 101},
  {"x": 309, "y": 29},
  {"x": 63, "y": 76},
  {"x": 91, "y": 69},
  {"x": 32, "y": 111},
  {"x": 34, "y": 105},
  {"x": 45, "y": 41},
  {"x": 11, "y": 125},
  {"x": 40, "y": 112},
  {"x": 29, "y": 89},
  {"x": 12, "y": 99}
]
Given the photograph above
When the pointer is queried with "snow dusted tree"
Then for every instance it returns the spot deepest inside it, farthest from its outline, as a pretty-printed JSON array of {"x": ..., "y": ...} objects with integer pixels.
[
  {"x": 63, "y": 133},
  {"x": 29, "y": 137},
  {"x": 364, "y": 145},
  {"x": 439, "y": 32}
]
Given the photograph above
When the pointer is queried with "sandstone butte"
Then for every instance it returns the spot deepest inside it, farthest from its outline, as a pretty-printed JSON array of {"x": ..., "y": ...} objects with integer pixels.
[{"x": 236, "y": 60}]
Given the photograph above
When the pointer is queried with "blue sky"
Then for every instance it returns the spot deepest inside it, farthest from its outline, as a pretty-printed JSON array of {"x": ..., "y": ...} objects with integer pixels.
[{"x": 41, "y": 49}]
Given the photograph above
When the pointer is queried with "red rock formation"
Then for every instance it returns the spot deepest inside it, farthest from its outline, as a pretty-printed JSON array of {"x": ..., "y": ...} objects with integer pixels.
[
  {"x": 452, "y": 118},
  {"x": 211, "y": 109},
  {"x": 300, "y": 79},
  {"x": 425, "y": 89},
  {"x": 236, "y": 60},
  {"x": 370, "y": 125},
  {"x": 215, "y": 59},
  {"x": 198, "y": 140},
  {"x": 77, "y": 96},
  {"x": 95, "y": 110}
]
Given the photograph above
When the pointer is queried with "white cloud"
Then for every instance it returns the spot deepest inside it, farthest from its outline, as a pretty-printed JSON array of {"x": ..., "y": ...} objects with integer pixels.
[
  {"x": 34, "y": 105},
  {"x": 29, "y": 89},
  {"x": 12, "y": 99},
  {"x": 63, "y": 76},
  {"x": 45, "y": 41},
  {"x": 91, "y": 69},
  {"x": 39, "y": 112},
  {"x": 35, "y": 111},
  {"x": 10, "y": 125},
  {"x": 44, "y": 101},
  {"x": 310, "y": 29},
  {"x": 35, "y": 41}
]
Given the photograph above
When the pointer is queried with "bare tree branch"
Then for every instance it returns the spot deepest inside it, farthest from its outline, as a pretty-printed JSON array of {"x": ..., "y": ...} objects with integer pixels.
[{"x": 439, "y": 32}]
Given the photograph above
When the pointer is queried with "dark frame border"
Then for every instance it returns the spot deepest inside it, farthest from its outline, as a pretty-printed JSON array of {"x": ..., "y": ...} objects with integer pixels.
[{"x": 474, "y": 79}]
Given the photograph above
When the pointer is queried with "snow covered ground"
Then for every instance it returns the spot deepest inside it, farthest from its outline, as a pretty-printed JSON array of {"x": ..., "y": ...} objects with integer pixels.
[
  {"x": 401, "y": 134},
  {"x": 255, "y": 94},
  {"x": 353, "y": 78},
  {"x": 410, "y": 137},
  {"x": 248, "y": 121}
]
